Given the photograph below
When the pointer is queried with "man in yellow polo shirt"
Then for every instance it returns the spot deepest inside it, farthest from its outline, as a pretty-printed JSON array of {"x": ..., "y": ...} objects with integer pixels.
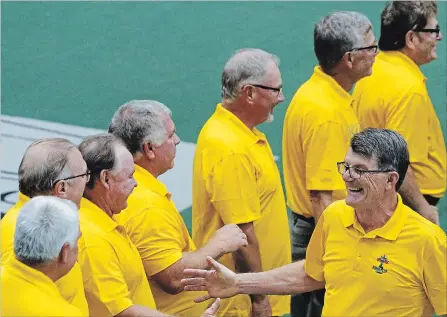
[
  {"x": 396, "y": 97},
  {"x": 53, "y": 167},
  {"x": 151, "y": 219},
  {"x": 45, "y": 250},
  {"x": 318, "y": 126},
  {"x": 114, "y": 278},
  {"x": 236, "y": 180},
  {"x": 374, "y": 255}
]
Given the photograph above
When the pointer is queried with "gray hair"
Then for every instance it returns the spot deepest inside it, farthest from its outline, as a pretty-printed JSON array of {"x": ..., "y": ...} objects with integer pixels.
[
  {"x": 245, "y": 66},
  {"x": 43, "y": 163},
  {"x": 140, "y": 121},
  {"x": 99, "y": 153},
  {"x": 44, "y": 225},
  {"x": 387, "y": 147},
  {"x": 338, "y": 33},
  {"x": 399, "y": 17}
]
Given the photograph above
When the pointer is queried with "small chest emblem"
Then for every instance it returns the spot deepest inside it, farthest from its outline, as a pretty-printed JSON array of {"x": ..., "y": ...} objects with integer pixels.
[{"x": 380, "y": 269}]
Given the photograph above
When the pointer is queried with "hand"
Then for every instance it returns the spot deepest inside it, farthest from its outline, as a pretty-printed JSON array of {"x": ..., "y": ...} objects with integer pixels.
[
  {"x": 261, "y": 308},
  {"x": 219, "y": 282},
  {"x": 431, "y": 213},
  {"x": 212, "y": 310},
  {"x": 230, "y": 238}
]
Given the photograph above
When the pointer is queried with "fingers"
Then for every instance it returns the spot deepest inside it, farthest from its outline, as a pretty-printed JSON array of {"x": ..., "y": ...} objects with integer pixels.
[
  {"x": 195, "y": 288},
  {"x": 193, "y": 281},
  {"x": 213, "y": 263},
  {"x": 202, "y": 299},
  {"x": 195, "y": 272},
  {"x": 214, "y": 307}
]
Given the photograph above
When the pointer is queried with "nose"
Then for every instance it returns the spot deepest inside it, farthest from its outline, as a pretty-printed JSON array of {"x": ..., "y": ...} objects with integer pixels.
[
  {"x": 176, "y": 139},
  {"x": 346, "y": 176},
  {"x": 281, "y": 96},
  {"x": 439, "y": 37}
]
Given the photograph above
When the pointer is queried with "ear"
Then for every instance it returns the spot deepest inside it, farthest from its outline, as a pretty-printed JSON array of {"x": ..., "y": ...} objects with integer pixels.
[
  {"x": 410, "y": 39},
  {"x": 63, "y": 255},
  {"x": 60, "y": 190},
  {"x": 104, "y": 178},
  {"x": 392, "y": 180},
  {"x": 148, "y": 150},
  {"x": 249, "y": 93},
  {"x": 347, "y": 60}
]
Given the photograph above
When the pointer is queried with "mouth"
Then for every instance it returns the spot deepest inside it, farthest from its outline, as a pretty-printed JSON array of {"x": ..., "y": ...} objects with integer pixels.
[{"x": 355, "y": 189}]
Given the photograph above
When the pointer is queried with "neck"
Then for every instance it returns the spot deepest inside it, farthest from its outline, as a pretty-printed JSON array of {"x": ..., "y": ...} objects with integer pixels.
[
  {"x": 239, "y": 111},
  {"x": 146, "y": 164},
  {"x": 371, "y": 218},
  {"x": 342, "y": 79},
  {"x": 99, "y": 200},
  {"x": 49, "y": 270},
  {"x": 410, "y": 55}
]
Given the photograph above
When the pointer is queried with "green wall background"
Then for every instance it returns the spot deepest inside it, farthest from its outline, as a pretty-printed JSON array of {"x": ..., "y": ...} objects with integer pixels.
[{"x": 76, "y": 62}]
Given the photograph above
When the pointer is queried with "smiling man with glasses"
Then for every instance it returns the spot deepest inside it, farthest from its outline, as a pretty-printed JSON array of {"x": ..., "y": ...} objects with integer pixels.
[
  {"x": 318, "y": 125},
  {"x": 395, "y": 97},
  {"x": 373, "y": 254},
  {"x": 49, "y": 167}
]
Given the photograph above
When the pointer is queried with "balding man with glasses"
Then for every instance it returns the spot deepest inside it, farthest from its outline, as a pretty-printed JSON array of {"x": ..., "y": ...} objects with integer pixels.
[
  {"x": 374, "y": 255},
  {"x": 318, "y": 125},
  {"x": 395, "y": 97},
  {"x": 49, "y": 167}
]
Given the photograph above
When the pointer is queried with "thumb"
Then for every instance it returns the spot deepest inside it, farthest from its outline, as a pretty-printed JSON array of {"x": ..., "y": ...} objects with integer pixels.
[
  {"x": 212, "y": 310},
  {"x": 216, "y": 265}
]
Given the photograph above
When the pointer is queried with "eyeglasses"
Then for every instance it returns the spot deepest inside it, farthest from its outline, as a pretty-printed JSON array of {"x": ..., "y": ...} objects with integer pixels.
[
  {"x": 373, "y": 48},
  {"x": 86, "y": 174},
  {"x": 276, "y": 89},
  {"x": 355, "y": 172},
  {"x": 436, "y": 30}
]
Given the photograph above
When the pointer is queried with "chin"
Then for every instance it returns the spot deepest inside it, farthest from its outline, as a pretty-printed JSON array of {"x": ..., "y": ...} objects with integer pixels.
[{"x": 269, "y": 118}]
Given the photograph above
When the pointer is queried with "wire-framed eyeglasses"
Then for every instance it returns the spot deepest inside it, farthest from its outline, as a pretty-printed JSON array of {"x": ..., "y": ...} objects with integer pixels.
[
  {"x": 86, "y": 174},
  {"x": 355, "y": 172},
  {"x": 278, "y": 90}
]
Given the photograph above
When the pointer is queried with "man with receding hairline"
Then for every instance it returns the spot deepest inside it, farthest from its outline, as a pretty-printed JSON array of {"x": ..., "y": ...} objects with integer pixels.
[{"x": 49, "y": 167}]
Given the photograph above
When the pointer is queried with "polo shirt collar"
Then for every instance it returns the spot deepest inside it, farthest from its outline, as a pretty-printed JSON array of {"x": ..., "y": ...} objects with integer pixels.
[
  {"x": 146, "y": 179},
  {"x": 332, "y": 84},
  {"x": 400, "y": 59},
  {"x": 389, "y": 231},
  {"x": 231, "y": 120},
  {"x": 93, "y": 214},
  {"x": 32, "y": 276}
]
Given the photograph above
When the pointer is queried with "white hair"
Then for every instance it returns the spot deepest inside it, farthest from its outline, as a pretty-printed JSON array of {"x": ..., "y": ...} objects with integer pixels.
[
  {"x": 138, "y": 122},
  {"x": 44, "y": 225}
]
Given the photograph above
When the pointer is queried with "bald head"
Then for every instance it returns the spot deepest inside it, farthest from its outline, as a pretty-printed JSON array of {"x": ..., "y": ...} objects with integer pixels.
[{"x": 46, "y": 161}]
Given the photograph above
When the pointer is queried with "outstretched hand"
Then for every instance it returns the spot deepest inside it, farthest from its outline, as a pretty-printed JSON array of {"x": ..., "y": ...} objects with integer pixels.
[{"x": 219, "y": 281}]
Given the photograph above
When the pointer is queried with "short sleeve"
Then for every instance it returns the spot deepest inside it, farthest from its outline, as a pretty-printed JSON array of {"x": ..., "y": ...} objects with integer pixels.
[
  {"x": 409, "y": 117},
  {"x": 233, "y": 189},
  {"x": 103, "y": 278},
  {"x": 157, "y": 234},
  {"x": 315, "y": 251},
  {"x": 324, "y": 146},
  {"x": 434, "y": 271}
]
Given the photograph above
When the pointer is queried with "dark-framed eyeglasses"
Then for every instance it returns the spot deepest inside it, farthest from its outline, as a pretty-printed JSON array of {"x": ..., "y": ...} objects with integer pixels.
[
  {"x": 436, "y": 30},
  {"x": 86, "y": 174},
  {"x": 278, "y": 90},
  {"x": 373, "y": 48},
  {"x": 355, "y": 172}
]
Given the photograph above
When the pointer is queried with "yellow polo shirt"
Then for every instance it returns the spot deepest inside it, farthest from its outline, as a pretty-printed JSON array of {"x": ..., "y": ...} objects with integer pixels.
[
  {"x": 157, "y": 229},
  {"x": 114, "y": 277},
  {"x": 236, "y": 180},
  {"x": 28, "y": 292},
  {"x": 70, "y": 286},
  {"x": 318, "y": 127},
  {"x": 396, "y": 270},
  {"x": 395, "y": 97}
]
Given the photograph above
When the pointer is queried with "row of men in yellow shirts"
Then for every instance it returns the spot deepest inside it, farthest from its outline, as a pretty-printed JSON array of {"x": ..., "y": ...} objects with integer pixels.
[{"x": 235, "y": 177}]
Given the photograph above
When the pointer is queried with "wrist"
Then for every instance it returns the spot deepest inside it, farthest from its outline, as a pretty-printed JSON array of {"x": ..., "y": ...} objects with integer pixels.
[{"x": 257, "y": 298}]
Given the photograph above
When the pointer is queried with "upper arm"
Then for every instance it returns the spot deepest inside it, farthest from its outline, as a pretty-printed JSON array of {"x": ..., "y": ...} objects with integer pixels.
[
  {"x": 233, "y": 189},
  {"x": 325, "y": 145},
  {"x": 314, "y": 266},
  {"x": 434, "y": 272},
  {"x": 408, "y": 112},
  {"x": 103, "y": 278}
]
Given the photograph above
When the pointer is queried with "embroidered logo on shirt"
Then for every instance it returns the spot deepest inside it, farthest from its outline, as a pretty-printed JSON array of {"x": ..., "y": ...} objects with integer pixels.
[{"x": 380, "y": 269}]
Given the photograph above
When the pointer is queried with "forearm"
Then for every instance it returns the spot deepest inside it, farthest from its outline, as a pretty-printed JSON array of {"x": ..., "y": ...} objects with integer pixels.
[
  {"x": 320, "y": 199},
  {"x": 285, "y": 280},
  {"x": 411, "y": 193}
]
